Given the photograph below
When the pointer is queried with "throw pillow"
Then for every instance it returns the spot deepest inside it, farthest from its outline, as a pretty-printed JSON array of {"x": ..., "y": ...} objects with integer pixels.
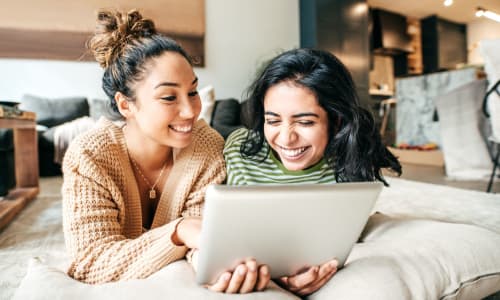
[
  {"x": 401, "y": 258},
  {"x": 226, "y": 116},
  {"x": 101, "y": 108},
  {"x": 175, "y": 281},
  {"x": 54, "y": 111},
  {"x": 207, "y": 96}
]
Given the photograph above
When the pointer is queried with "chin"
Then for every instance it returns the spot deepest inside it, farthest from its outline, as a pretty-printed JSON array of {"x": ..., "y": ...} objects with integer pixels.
[
  {"x": 179, "y": 144},
  {"x": 295, "y": 167}
]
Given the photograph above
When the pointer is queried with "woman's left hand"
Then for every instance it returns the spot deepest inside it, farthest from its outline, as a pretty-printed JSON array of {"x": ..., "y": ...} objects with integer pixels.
[{"x": 311, "y": 280}]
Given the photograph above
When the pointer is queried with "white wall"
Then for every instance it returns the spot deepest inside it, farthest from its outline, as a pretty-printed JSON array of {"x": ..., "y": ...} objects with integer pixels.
[
  {"x": 240, "y": 35},
  {"x": 480, "y": 29}
]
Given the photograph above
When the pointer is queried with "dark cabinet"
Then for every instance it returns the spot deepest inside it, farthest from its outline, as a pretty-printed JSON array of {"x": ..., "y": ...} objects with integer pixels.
[
  {"x": 341, "y": 27},
  {"x": 444, "y": 44}
]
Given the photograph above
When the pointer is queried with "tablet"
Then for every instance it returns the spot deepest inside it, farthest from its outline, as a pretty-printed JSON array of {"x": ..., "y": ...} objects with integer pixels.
[{"x": 287, "y": 227}]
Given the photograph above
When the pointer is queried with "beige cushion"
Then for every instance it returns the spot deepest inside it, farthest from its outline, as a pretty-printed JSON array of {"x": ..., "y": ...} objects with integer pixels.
[
  {"x": 418, "y": 259},
  {"x": 207, "y": 96},
  {"x": 176, "y": 281}
]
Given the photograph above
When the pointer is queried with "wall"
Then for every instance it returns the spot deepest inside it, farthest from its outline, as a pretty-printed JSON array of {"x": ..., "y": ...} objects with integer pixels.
[
  {"x": 480, "y": 29},
  {"x": 239, "y": 36},
  {"x": 186, "y": 16}
]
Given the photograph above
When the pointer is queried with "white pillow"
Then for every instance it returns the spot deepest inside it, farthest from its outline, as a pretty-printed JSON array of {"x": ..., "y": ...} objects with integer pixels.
[
  {"x": 207, "y": 95},
  {"x": 175, "y": 281},
  {"x": 400, "y": 258}
]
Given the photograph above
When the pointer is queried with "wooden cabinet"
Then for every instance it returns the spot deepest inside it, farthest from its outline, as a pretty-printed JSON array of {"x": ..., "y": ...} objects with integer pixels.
[{"x": 26, "y": 167}]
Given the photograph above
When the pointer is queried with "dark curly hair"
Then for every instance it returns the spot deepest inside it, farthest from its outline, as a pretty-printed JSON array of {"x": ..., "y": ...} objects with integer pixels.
[
  {"x": 122, "y": 44},
  {"x": 354, "y": 149}
]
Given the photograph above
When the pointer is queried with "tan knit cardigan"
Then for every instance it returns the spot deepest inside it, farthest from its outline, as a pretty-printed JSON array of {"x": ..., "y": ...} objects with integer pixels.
[{"x": 102, "y": 217}]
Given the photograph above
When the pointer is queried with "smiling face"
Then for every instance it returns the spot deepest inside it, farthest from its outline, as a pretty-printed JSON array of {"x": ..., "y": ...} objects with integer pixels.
[
  {"x": 167, "y": 103},
  {"x": 296, "y": 126}
]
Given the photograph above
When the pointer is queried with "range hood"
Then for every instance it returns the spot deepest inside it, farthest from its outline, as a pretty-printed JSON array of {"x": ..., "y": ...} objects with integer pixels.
[{"x": 388, "y": 33}]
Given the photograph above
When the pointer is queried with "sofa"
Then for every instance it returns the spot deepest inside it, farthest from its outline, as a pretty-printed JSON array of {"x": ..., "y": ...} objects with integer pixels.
[{"x": 54, "y": 113}]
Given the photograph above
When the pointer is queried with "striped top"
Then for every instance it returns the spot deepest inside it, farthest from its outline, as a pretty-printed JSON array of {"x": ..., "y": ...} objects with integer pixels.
[{"x": 265, "y": 168}]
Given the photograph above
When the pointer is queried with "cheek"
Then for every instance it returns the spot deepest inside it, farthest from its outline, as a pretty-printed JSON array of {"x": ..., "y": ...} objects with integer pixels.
[
  {"x": 197, "y": 107},
  {"x": 319, "y": 139},
  {"x": 270, "y": 133}
]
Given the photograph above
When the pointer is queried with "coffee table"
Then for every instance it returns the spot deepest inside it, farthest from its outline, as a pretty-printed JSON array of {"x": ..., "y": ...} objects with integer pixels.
[{"x": 26, "y": 165}]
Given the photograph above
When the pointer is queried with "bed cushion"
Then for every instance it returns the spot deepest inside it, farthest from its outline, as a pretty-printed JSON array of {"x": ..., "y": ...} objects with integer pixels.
[
  {"x": 430, "y": 240},
  {"x": 176, "y": 281},
  {"x": 401, "y": 258}
]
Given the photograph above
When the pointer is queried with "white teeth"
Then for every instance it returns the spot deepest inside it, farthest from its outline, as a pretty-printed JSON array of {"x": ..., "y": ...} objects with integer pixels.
[
  {"x": 293, "y": 152},
  {"x": 184, "y": 129}
]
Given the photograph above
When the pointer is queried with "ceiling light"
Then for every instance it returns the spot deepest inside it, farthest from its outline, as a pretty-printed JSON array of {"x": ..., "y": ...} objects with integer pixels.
[
  {"x": 481, "y": 12},
  {"x": 448, "y": 2}
]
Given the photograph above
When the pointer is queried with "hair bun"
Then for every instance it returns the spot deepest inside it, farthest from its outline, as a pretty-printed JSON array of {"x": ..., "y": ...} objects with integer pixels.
[{"x": 114, "y": 31}]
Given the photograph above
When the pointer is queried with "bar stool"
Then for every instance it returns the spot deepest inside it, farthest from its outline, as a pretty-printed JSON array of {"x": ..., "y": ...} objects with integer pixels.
[{"x": 494, "y": 139}]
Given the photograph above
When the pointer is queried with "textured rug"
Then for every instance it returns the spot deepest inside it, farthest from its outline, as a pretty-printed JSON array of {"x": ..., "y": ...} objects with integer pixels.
[{"x": 35, "y": 232}]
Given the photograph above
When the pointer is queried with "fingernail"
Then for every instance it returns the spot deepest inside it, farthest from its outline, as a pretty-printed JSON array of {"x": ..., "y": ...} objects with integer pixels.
[
  {"x": 265, "y": 271},
  {"x": 241, "y": 271},
  {"x": 334, "y": 264},
  {"x": 226, "y": 277},
  {"x": 252, "y": 268}
]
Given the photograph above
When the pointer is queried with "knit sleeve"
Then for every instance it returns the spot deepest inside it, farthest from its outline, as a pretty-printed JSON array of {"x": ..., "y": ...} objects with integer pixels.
[
  {"x": 93, "y": 225},
  {"x": 212, "y": 170}
]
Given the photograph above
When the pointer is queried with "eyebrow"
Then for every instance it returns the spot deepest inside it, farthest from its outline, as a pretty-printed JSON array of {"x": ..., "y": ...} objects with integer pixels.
[
  {"x": 307, "y": 114},
  {"x": 167, "y": 83}
]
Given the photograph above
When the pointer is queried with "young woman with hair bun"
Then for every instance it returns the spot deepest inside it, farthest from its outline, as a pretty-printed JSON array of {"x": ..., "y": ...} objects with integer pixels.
[{"x": 133, "y": 194}]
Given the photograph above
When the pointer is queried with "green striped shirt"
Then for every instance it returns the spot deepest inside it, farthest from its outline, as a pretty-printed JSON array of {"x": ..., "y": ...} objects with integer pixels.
[{"x": 265, "y": 168}]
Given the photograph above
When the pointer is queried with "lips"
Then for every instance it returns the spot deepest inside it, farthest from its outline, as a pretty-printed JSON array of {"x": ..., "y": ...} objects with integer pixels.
[
  {"x": 293, "y": 153},
  {"x": 181, "y": 128}
]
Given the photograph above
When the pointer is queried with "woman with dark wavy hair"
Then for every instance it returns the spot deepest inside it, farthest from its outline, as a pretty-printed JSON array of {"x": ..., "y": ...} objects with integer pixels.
[{"x": 305, "y": 125}]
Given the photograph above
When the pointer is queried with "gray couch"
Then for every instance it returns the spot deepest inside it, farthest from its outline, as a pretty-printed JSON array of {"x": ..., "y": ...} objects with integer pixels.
[{"x": 53, "y": 112}]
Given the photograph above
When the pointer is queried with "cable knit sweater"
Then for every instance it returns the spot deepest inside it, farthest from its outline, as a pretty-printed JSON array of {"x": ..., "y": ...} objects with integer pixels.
[{"x": 102, "y": 217}]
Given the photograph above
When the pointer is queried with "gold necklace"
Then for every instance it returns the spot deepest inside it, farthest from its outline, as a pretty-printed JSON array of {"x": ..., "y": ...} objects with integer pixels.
[{"x": 152, "y": 191}]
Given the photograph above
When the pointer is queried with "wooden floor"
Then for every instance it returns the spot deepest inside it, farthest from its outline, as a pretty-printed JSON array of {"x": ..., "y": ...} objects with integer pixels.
[{"x": 437, "y": 175}]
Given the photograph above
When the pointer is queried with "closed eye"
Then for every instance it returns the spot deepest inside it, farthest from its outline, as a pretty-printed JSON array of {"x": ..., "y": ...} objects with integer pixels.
[
  {"x": 169, "y": 98},
  {"x": 272, "y": 121},
  {"x": 306, "y": 123}
]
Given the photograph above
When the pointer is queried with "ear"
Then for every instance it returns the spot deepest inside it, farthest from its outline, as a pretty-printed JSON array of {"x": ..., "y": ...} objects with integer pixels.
[{"x": 125, "y": 107}]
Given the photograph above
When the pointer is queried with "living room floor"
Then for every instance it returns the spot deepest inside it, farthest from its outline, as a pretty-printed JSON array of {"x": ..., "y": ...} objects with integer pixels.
[{"x": 436, "y": 175}]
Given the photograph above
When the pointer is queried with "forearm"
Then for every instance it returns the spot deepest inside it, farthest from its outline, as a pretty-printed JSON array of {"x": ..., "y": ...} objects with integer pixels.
[{"x": 116, "y": 258}]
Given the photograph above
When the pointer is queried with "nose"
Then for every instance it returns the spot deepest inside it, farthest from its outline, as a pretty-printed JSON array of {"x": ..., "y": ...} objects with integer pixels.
[
  {"x": 287, "y": 135},
  {"x": 186, "y": 109}
]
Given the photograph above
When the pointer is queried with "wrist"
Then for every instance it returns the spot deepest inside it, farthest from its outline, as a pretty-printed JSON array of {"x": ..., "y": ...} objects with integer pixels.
[
  {"x": 187, "y": 232},
  {"x": 176, "y": 236}
]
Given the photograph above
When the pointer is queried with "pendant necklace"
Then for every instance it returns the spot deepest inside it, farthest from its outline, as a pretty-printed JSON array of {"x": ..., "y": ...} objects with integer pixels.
[{"x": 152, "y": 191}]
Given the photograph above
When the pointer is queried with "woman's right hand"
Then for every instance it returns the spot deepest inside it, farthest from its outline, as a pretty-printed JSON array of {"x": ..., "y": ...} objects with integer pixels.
[{"x": 247, "y": 277}]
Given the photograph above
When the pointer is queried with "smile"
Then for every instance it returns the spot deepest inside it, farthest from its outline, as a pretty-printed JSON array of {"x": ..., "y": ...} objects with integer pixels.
[
  {"x": 181, "y": 129},
  {"x": 293, "y": 152}
]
